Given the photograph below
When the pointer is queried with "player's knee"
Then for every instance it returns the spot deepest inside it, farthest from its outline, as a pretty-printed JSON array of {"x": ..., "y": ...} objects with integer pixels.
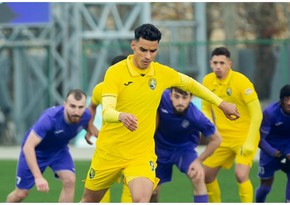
[
  {"x": 69, "y": 181},
  {"x": 17, "y": 195},
  {"x": 241, "y": 177}
]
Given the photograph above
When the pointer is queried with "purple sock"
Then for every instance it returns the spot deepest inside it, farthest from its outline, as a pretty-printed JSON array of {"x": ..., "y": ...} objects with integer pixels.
[
  {"x": 261, "y": 193},
  {"x": 288, "y": 189},
  {"x": 200, "y": 198}
]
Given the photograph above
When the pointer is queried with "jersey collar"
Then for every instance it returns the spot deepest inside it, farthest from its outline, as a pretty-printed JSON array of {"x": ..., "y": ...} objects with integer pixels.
[{"x": 134, "y": 71}]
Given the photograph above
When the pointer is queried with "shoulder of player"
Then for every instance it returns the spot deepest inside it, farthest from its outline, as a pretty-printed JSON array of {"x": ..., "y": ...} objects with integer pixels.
[{"x": 239, "y": 76}]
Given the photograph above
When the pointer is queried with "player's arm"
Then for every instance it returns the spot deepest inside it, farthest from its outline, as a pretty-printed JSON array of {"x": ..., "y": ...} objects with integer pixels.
[
  {"x": 110, "y": 114},
  {"x": 265, "y": 129},
  {"x": 214, "y": 142},
  {"x": 29, "y": 152},
  {"x": 256, "y": 115},
  {"x": 91, "y": 129},
  {"x": 197, "y": 89}
]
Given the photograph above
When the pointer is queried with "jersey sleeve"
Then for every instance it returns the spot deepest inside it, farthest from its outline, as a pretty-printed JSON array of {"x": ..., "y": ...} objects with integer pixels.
[
  {"x": 42, "y": 126},
  {"x": 97, "y": 94}
]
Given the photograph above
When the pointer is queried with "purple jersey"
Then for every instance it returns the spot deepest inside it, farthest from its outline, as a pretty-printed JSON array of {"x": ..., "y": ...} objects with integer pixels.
[
  {"x": 275, "y": 132},
  {"x": 176, "y": 131},
  {"x": 55, "y": 131}
]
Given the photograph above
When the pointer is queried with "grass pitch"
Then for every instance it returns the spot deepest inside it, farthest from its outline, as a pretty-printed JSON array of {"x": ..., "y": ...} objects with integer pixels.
[{"x": 178, "y": 190}]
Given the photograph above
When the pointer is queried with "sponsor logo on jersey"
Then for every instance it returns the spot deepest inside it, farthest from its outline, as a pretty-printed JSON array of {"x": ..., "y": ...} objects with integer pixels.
[
  {"x": 128, "y": 83},
  {"x": 185, "y": 123},
  {"x": 278, "y": 123},
  {"x": 248, "y": 91},
  {"x": 164, "y": 110},
  {"x": 58, "y": 132},
  {"x": 152, "y": 83}
]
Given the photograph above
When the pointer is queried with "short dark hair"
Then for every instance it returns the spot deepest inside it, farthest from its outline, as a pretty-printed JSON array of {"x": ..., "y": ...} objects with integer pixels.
[
  {"x": 148, "y": 32},
  {"x": 77, "y": 94},
  {"x": 180, "y": 91},
  {"x": 221, "y": 51},
  {"x": 118, "y": 59},
  {"x": 284, "y": 92}
]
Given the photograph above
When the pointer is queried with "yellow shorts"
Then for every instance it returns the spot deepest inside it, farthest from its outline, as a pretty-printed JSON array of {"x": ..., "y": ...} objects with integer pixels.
[
  {"x": 104, "y": 171},
  {"x": 225, "y": 155}
]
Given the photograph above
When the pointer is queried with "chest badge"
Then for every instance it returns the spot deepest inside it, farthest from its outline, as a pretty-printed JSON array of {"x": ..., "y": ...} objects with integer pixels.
[
  {"x": 229, "y": 91},
  {"x": 152, "y": 83}
]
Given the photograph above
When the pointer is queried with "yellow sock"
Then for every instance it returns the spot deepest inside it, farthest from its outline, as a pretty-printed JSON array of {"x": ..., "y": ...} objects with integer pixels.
[
  {"x": 126, "y": 195},
  {"x": 214, "y": 192},
  {"x": 246, "y": 191},
  {"x": 106, "y": 198}
]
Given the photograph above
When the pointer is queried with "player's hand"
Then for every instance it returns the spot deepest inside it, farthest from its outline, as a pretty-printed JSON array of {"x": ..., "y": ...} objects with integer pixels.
[
  {"x": 91, "y": 131},
  {"x": 195, "y": 171},
  {"x": 230, "y": 110},
  {"x": 129, "y": 121},
  {"x": 247, "y": 149},
  {"x": 41, "y": 184}
]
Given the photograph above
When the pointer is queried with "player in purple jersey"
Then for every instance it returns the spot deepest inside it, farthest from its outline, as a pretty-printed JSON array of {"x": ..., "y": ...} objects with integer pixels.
[
  {"x": 46, "y": 145},
  {"x": 275, "y": 144},
  {"x": 177, "y": 135}
]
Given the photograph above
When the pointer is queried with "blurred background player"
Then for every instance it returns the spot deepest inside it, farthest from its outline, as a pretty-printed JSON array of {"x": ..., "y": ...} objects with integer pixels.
[
  {"x": 179, "y": 125},
  {"x": 95, "y": 101},
  {"x": 275, "y": 144},
  {"x": 46, "y": 145},
  {"x": 240, "y": 138}
]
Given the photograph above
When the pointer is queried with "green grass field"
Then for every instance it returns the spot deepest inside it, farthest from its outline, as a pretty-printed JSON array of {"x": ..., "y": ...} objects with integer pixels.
[{"x": 179, "y": 190}]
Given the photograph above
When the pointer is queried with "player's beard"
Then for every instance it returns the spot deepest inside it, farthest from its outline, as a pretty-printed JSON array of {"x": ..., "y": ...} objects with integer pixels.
[
  {"x": 73, "y": 118},
  {"x": 179, "y": 112}
]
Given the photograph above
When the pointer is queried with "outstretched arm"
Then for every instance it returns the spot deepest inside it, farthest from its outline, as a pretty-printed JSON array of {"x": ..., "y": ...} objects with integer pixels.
[
  {"x": 230, "y": 110},
  {"x": 29, "y": 152}
]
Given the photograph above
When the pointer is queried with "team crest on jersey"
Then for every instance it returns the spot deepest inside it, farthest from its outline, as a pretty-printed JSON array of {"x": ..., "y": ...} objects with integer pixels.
[
  {"x": 185, "y": 123},
  {"x": 92, "y": 173},
  {"x": 152, "y": 83},
  {"x": 229, "y": 91}
]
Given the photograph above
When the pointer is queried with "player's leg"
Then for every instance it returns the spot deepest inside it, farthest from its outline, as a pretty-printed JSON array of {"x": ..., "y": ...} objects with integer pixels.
[
  {"x": 165, "y": 164},
  {"x": 24, "y": 180},
  {"x": 17, "y": 195},
  {"x": 222, "y": 157},
  {"x": 155, "y": 195},
  {"x": 141, "y": 189},
  {"x": 140, "y": 176},
  {"x": 64, "y": 169},
  {"x": 67, "y": 179},
  {"x": 242, "y": 171},
  {"x": 267, "y": 168},
  {"x": 212, "y": 185},
  {"x": 183, "y": 159},
  {"x": 287, "y": 194},
  {"x": 103, "y": 172},
  {"x": 107, "y": 197},
  {"x": 126, "y": 194}
]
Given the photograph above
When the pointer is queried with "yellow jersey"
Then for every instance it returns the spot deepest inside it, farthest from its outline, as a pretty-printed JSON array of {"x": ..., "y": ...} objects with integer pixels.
[
  {"x": 237, "y": 89},
  {"x": 139, "y": 94}
]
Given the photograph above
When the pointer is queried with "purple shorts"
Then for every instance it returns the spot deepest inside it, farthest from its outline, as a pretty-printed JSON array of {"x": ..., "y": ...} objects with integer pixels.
[
  {"x": 181, "y": 158},
  {"x": 60, "y": 160}
]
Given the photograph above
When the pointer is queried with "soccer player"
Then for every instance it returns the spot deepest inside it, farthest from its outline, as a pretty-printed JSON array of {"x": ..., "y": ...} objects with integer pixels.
[
  {"x": 179, "y": 124},
  {"x": 240, "y": 138},
  {"x": 131, "y": 94},
  {"x": 46, "y": 145},
  {"x": 275, "y": 144},
  {"x": 95, "y": 101}
]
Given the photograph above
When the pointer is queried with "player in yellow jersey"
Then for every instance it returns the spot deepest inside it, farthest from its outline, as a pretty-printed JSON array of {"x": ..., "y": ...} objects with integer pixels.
[
  {"x": 240, "y": 138},
  {"x": 131, "y": 94},
  {"x": 95, "y": 102}
]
